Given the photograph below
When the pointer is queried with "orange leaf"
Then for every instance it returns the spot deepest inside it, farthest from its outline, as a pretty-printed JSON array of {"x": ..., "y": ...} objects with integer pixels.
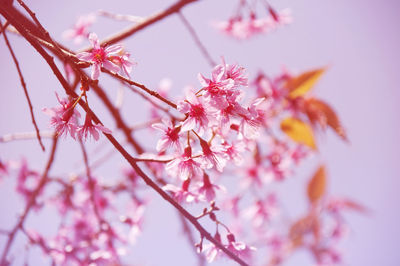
[
  {"x": 298, "y": 131},
  {"x": 350, "y": 204},
  {"x": 300, "y": 85},
  {"x": 317, "y": 184},
  {"x": 300, "y": 228},
  {"x": 321, "y": 112}
]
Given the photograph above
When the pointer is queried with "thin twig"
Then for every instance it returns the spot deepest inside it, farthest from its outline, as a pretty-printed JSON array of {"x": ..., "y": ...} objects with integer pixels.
[
  {"x": 120, "y": 17},
  {"x": 188, "y": 232},
  {"x": 4, "y": 27},
  {"x": 23, "y": 84},
  {"x": 197, "y": 40},
  {"x": 91, "y": 183},
  {"x": 145, "y": 23},
  {"x": 141, "y": 86},
  {"x": 26, "y": 136}
]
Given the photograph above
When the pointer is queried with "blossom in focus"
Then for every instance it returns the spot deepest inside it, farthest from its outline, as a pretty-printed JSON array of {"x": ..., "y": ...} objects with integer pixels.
[
  {"x": 100, "y": 56},
  {"x": 124, "y": 62},
  {"x": 80, "y": 30},
  {"x": 213, "y": 156},
  {"x": 170, "y": 137},
  {"x": 64, "y": 118},
  {"x": 184, "y": 166},
  {"x": 198, "y": 113},
  {"x": 89, "y": 129}
]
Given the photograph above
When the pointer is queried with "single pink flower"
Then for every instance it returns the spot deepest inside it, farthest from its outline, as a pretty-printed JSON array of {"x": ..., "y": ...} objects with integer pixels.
[
  {"x": 63, "y": 118},
  {"x": 213, "y": 156},
  {"x": 80, "y": 30},
  {"x": 89, "y": 129},
  {"x": 171, "y": 136},
  {"x": 262, "y": 211},
  {"x": 234, "y": 151},
  {"x": 239, "y": 248},
  {"x": 100, "y": 56},
  {"x": 197, "y": 113},
  {"x": 237, "y": 74},
  {"x": 217, "y": 87},
  {"x": 123, "y": 61},
  {"x": 182, "y": 194},
  {"x": 184, "y": 166},
  {"x": 208, "y": 189}
]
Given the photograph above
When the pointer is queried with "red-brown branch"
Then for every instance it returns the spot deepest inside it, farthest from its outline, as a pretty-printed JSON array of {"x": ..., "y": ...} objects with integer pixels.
[
  {"x": 141, "y": 86},
  {"x": 197, "y": 40}
]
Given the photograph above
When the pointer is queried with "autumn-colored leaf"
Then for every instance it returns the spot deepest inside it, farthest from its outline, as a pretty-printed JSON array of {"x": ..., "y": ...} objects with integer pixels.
[
  {"x": 298, "y": 131},
  {"x": 355, "y": 206},
  {"x": 300, "y": 85},
  {"x": 316, "y": 186},
  {"x": 321, "y": 113}
]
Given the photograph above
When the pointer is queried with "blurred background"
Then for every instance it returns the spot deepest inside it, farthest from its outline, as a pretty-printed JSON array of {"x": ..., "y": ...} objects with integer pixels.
[{"x": 358, "y": 41}]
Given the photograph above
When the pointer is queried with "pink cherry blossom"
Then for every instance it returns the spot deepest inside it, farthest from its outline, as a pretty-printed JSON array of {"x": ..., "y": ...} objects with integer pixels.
[
  {"x": 182, "y": 194},
  {"x": 234, "y": 150},
  {"x": 262, "y": 211},
  {"x": 171, "y": 136},
  {"x": 198, "y": 114},
  {"x": 80, "y": 30},
  {"x": 100, "y": 56},
  {"x": 252, "y": 122},
  {"x": 89, "y": 129},
  {"x": 27, "y": 180},
  {"x": 240, "y": 27},
  {"x": 237, "y": 74},
  {"x": 123, "y": 61},
  {"x": 64, "y": 117},
  {"x": 217, "y": 87},
  {"x": 208, "y": 189},
  {"x": 239, "y": 248},
  {"x": 213, "y": 156},
  {"x": 185, "y": 166}
]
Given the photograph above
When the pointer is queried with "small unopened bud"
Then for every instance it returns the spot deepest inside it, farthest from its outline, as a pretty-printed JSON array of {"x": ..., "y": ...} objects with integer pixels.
[
  {"x": 213, "y": 217},
  {"x": 231, "y": 237}
]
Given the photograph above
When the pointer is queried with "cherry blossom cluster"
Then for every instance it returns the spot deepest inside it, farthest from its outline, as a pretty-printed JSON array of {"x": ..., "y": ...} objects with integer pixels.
[
  {"x": 112, "y": 57},
  {"x": 223, "y": 147},
  {"x": 65, "y": 120},
  {"x": 92, "y": 230},
  {"x": 245, "y": 23}
]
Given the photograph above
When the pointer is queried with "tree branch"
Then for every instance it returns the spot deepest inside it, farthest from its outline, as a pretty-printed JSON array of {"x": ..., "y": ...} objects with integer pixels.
[
  {"x": 197, "y": 40},
  {"x": 21, "y": 77}
]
